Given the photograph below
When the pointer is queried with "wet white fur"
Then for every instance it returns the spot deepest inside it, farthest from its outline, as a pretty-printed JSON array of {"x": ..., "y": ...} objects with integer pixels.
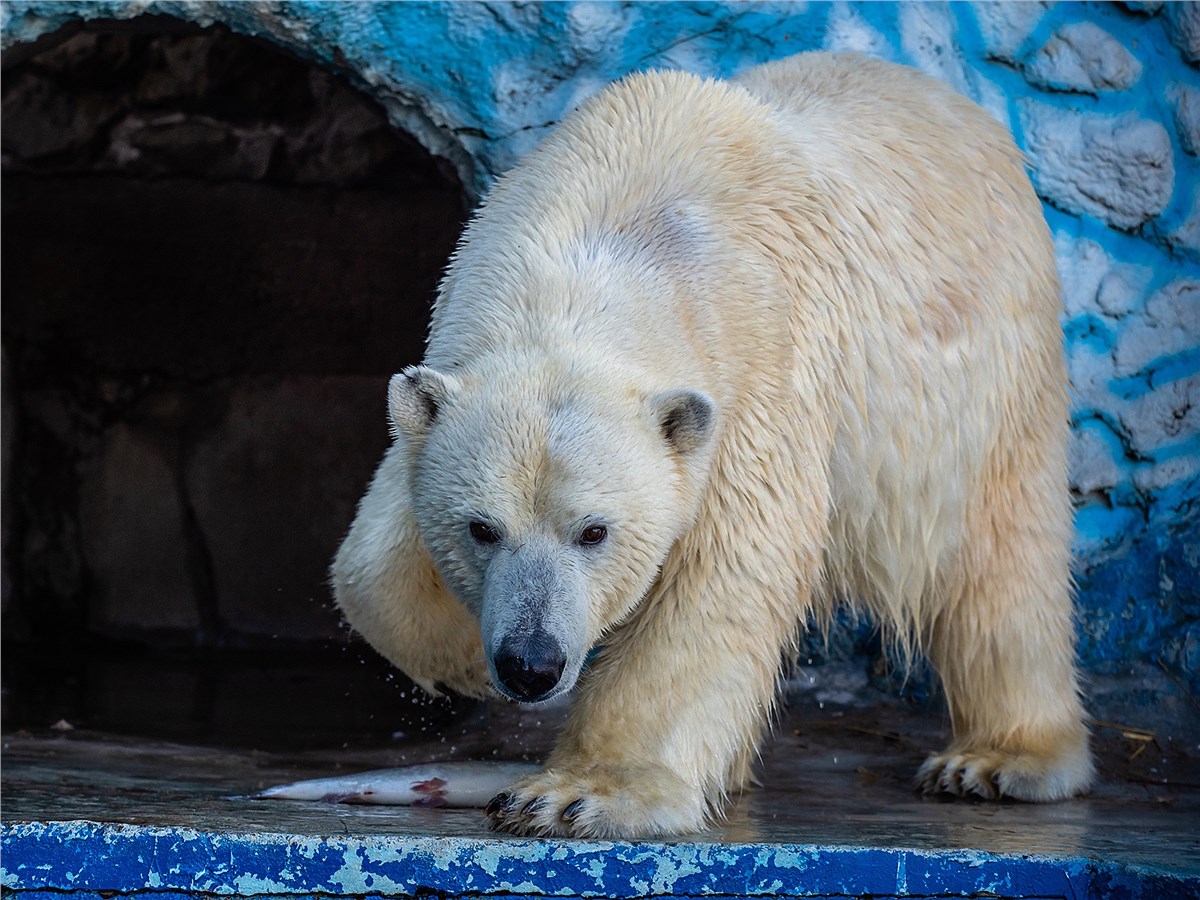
[{"x": 848, "y": 259}]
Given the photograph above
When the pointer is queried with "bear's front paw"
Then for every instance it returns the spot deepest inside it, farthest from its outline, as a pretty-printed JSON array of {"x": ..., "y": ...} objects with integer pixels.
[
  {"x": 600, "y": 802},
  {"x": 467, "y": 680},
  {"x": 1036, "y": 777}
]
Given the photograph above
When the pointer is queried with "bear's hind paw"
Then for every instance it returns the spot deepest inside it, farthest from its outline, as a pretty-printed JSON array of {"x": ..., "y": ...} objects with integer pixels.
[
  {"x": 992, "y": 774},
  {"x": 599, "y": 802},
  {"x": 962, "y": 775}
]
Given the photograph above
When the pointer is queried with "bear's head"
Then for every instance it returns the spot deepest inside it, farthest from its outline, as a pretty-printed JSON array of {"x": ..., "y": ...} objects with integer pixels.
[{"x": 549, "y": 496}]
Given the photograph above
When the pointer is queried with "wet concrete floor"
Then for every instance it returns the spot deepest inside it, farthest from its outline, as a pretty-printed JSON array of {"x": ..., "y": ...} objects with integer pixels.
[{"x": 831, "y": 775}]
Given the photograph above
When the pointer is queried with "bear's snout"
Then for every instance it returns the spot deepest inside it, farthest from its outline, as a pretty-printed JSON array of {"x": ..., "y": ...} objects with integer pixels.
[{"x": 529, "y": 667}]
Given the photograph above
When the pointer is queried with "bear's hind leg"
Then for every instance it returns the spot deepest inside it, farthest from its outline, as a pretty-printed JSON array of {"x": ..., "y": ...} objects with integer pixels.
[{"x": 1003, "y": 644}]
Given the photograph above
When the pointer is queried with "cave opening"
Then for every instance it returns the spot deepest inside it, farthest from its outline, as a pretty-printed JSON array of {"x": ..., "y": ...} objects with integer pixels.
[{"x": 214, "y": 254}]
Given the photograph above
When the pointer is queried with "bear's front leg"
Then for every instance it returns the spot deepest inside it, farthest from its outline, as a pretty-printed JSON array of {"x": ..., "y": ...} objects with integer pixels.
[
  {"x": 388, "y": 587},
  {"x": 662, "y": 731},
  {"x": 671, "y": 713}
]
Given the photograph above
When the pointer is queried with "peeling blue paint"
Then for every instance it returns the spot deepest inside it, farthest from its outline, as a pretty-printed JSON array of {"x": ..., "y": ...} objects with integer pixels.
[{"x": 85, "y": 859}]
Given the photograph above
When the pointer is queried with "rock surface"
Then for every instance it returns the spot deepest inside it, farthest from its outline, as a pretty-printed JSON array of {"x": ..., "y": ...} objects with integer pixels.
[
  {"x": 1119, "y": 169},
  {"x": 1083, "y": 57},
  {"x": 1185, "y": 99}
]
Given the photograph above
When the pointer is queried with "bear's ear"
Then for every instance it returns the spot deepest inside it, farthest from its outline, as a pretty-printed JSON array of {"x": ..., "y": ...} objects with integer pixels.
[
  {"x": 687, "y": 418},
  {"x": 414, "y": 398}
]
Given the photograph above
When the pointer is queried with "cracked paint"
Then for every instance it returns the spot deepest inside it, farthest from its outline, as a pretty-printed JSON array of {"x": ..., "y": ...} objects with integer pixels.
[{"x": 40, "y": 857}]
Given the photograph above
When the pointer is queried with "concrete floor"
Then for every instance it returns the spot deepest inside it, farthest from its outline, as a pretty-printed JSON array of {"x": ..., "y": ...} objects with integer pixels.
[{"x": 836, "y": 778}]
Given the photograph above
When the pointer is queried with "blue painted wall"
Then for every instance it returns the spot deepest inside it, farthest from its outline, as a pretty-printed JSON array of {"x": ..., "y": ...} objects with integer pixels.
[{"x": 1105, "y": 99}]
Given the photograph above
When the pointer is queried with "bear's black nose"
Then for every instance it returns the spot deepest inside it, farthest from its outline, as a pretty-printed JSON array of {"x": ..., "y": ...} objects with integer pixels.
[{"x": 530, "y": 667}]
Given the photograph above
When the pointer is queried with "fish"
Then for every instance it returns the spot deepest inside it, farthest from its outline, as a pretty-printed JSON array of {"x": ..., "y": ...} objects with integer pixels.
[{"x": 461, "y": 785}]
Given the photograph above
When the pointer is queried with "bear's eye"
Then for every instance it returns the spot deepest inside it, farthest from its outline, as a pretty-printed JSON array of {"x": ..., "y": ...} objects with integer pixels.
[
  {"x": 484, "y": 533},
  {"x": 593, "y": 535}
]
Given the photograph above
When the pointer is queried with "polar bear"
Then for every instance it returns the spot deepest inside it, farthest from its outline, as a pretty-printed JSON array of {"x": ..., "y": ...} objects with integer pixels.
[{"x": 715, "y": 356}]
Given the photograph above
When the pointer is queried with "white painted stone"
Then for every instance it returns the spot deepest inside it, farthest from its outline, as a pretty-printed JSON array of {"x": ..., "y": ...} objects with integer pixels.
[
  {"x": 846, "y": 29},
  {"x": 1093, "y": 282},
  {"x": 1119, "y": 169},
  {"x": 1183, "y": 25},
  {"x": 1168, "y": 324},
  {"x": 1092, "y": 465},
  {"x": 594, "y": 28},
  {"x": 929, "y": 38},
  {"x": 1185, "y": 102},
  {"x": 1169, "y": 471},
  {"x": 928, "y": 34},
  {"x": 1121, "y": 288},
  {"x": 1082, "y": 265},
  {"x": 1164, "y": 417},
  {"x": 690, "y": 55},
  {"x": 1005, "y": 26},
  {"x": 1091, "y": 371},
  {"x": 992, "y": 98},
  {"x": 1187, "y": 236},
  {"x": 1083, "y": 57}
]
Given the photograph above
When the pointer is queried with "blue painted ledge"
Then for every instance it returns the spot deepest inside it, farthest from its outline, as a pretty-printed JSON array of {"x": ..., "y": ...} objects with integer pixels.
[{"x": 86, "y": 859}]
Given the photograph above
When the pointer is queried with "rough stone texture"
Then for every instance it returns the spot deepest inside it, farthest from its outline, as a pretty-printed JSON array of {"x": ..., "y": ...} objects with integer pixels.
[
  {"x": 1119, "y": 169},
  {"x": 196, "y": 104},
  {"x": 1159, "y": 420},
  {"x": 1168, "y": 325},
  {"x": 928, "y": 36},
  {"x": 1006, "y": 26},
  {"x": 1186, "y": 238},
  {"x": 1185, "y": 99},
  {"x": 260, "y": 483},
  {"x": 1083, "y": 57},
  {"x": 239, "y": 222},
  {"x": 1092, "y": 459},
  {"x": 1184, "y": 28},
  {"x": 1094, "y": 283},
  {"x": 1146, "y": 360},
  {"x": 848, "y": 30},
  {"x": 1148, "y": 7},
  {"x": 136, "y": 544}
]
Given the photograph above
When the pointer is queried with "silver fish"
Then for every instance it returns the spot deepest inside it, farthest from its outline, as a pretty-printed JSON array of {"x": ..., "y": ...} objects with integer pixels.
[{"x": 454, "y": 784}]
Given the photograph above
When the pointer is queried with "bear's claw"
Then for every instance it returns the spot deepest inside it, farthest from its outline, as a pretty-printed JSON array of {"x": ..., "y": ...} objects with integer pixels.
[
  {"x": 992, "y": 774},
  {"x": 572, "y": 810},
  {"x": 959, "y": 775},
  {"x": 496, "y": 804},
  {"x": 597, "y": 801}
]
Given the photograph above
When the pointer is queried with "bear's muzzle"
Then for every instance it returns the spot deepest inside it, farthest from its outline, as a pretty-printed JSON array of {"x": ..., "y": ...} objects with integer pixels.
[{"x": 529, "y": 666}]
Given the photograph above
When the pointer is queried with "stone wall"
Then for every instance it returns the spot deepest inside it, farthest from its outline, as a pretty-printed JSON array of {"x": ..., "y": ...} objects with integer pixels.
[
  {"x": 214, "y": 256},
  {"x": 1104, "y": 98}
]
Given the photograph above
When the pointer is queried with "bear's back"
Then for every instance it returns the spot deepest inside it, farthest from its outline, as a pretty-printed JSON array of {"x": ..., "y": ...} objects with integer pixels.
[{"x": 942, "y": 273}]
